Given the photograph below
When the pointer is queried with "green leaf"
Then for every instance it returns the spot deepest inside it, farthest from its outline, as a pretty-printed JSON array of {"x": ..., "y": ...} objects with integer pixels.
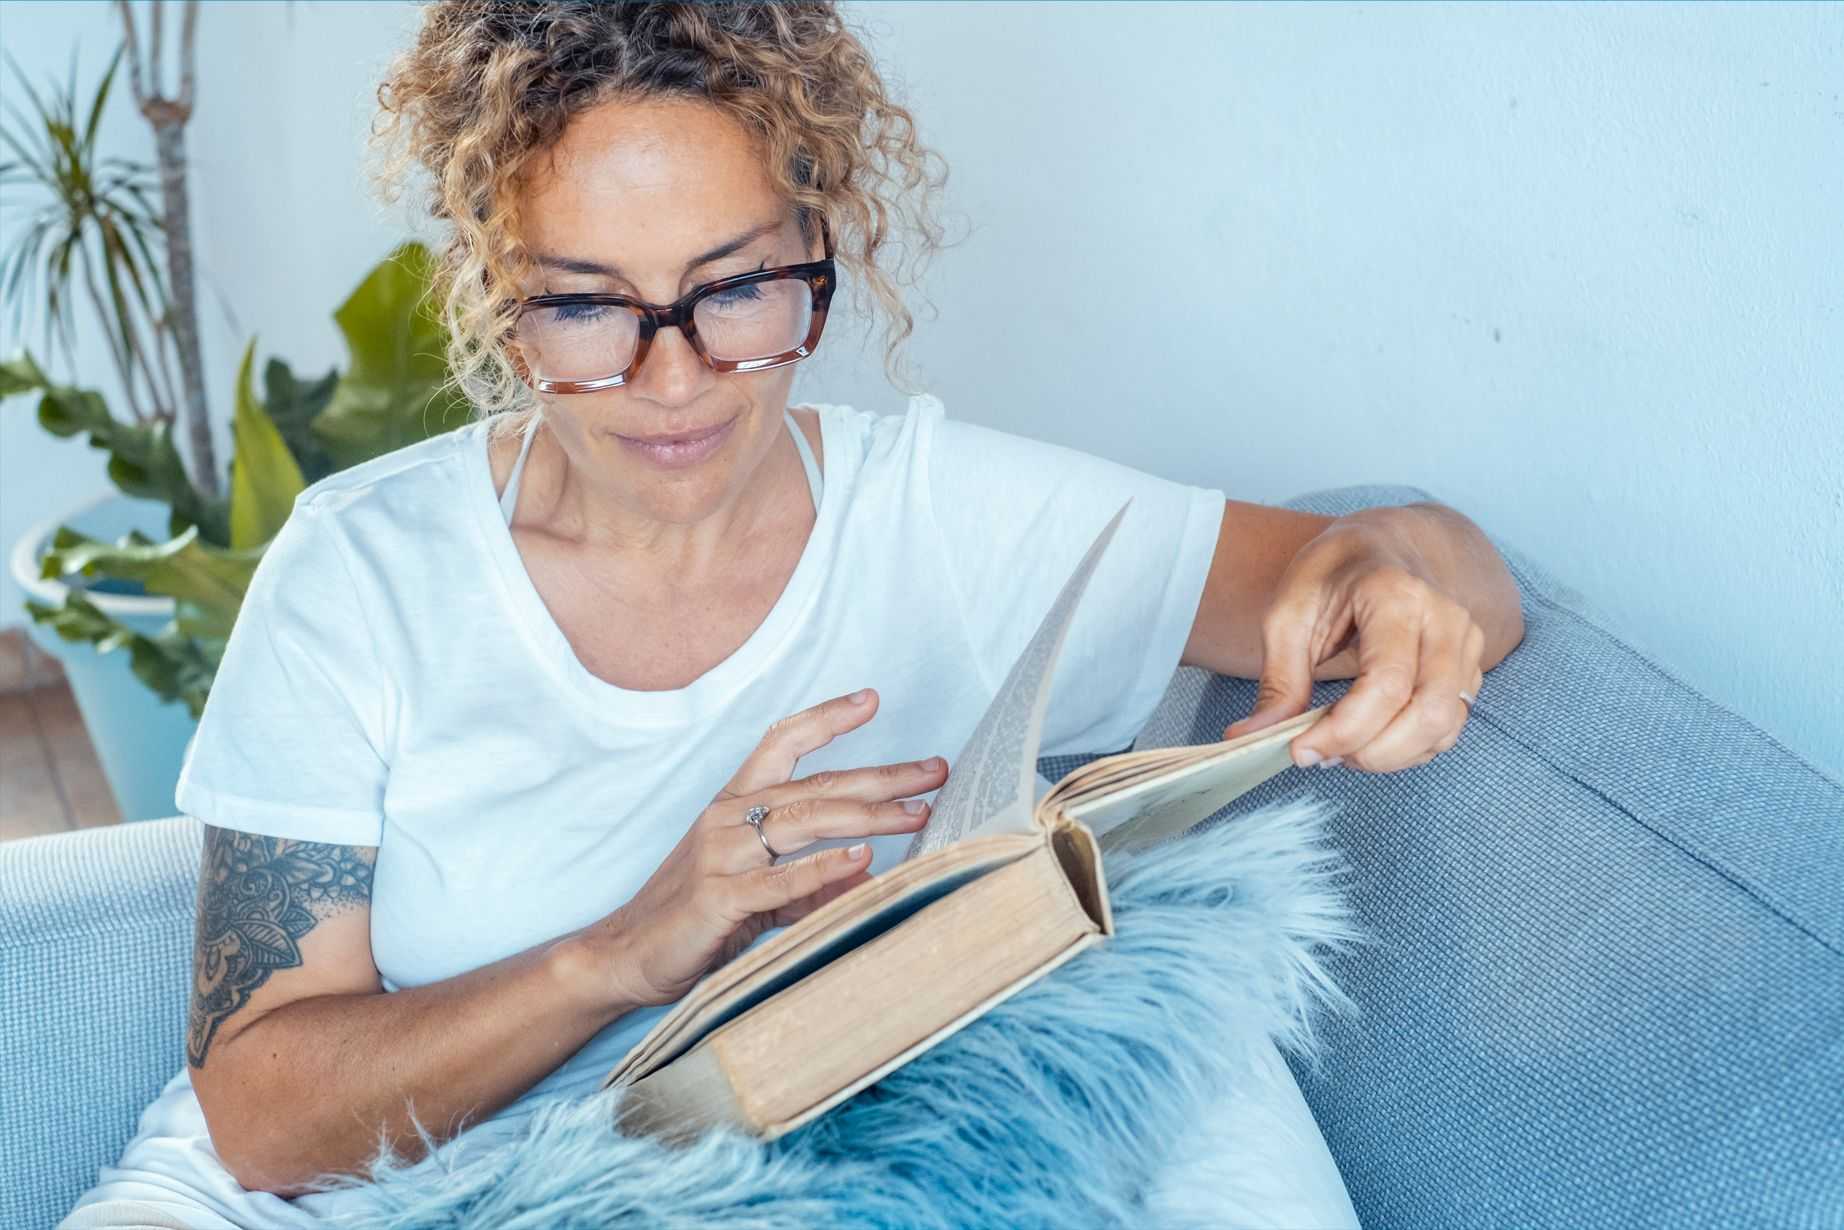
[
  {"x": 102, "y": 96},
  {"x": 76, "y": 621},
  {"x": 264, "y": 477},
  {"x": 210, "y": 581},
  {"x": 65, "y": 411},
  {"x": 142, "y": 459},
  {"x": 90, "y": 212},
  {"x": 20, "y": 374},
  {"x": 392, "y": 394},
  {"x": 172, "y": 665},
  {"x": 293, "y": 406},
  {"x": 195, "y": 619}
]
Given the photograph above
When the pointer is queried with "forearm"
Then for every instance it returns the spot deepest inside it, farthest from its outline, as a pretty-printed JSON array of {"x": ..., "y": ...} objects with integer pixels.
[
  {"x": 320, "y": 1079},
  {"x": 1449, "y": 552}
]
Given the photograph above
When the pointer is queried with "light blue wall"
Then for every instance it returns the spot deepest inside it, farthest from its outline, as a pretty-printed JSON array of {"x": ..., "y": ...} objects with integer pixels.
[{"x": 1577, "y": 270}]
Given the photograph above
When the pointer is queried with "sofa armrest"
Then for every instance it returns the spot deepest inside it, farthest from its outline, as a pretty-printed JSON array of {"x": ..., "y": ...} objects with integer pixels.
[
  {"x": 1607, "y": 987},
  {"x": 95, "y": 955}
]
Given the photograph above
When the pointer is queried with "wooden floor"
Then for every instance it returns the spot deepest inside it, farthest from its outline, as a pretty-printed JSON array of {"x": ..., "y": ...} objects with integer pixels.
[{"x": 50, "y": 781}]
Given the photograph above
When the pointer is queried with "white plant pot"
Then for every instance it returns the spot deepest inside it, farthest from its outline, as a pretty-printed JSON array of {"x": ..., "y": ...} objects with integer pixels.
[{"x": 140, "y": 737}]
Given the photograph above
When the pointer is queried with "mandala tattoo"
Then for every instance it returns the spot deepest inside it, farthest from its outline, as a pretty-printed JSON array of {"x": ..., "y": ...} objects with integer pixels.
[{"x": 257, "y": 897}]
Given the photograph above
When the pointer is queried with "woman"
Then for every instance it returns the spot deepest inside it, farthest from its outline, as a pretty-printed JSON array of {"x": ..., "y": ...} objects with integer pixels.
[{"x": 479, "y": 762}]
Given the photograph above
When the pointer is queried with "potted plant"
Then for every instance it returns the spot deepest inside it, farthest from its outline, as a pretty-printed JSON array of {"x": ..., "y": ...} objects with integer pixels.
[{"x": 135, "y": 593}]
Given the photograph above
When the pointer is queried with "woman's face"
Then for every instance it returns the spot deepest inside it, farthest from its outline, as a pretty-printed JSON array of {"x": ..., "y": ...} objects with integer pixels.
[{"x": 643, "y": 192}]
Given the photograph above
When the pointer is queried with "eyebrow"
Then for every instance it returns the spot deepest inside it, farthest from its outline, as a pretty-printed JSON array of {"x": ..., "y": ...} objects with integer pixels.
[{"x": 567, "y": 264}]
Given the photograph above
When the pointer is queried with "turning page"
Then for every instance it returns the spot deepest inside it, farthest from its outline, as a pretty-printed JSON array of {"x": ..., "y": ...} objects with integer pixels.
[{"x": 991, "y": 787}]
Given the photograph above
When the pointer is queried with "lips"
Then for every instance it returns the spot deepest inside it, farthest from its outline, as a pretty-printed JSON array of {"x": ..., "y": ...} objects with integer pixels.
[
  {"x": 691, "y": 436},
  {"x": 685, "y": 447}
]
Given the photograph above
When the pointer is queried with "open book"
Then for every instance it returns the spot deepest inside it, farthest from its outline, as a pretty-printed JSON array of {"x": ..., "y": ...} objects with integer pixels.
[{"x": 995, "y": 892}]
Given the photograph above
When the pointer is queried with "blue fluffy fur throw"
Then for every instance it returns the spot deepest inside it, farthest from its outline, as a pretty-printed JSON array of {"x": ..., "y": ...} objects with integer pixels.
[{"x": 1052, "y": 1110}]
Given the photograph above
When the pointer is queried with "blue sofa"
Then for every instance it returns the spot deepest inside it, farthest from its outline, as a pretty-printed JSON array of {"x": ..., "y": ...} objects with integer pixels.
[{"x": 1607, "y": 988}]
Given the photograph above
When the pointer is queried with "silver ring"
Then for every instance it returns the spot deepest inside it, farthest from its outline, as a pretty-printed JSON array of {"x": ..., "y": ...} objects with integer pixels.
[
  {"x": 1468, "y": 698},
  {"x": 753, "y": 818}
]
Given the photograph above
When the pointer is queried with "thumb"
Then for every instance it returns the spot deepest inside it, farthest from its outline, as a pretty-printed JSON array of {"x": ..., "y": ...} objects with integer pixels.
[{"x": 1286, "y": 678}]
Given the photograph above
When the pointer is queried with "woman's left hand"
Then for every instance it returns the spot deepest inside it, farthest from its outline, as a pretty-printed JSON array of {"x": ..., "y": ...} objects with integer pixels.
[{"x": 1417, "y": 651}]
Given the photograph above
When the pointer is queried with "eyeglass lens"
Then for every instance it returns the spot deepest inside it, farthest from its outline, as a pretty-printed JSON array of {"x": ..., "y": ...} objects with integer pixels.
[{"x": 582, "y": 342}]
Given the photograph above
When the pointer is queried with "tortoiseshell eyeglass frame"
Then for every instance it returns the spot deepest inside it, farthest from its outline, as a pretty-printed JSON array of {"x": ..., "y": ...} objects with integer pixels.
[{"x": 819, "y": 275}]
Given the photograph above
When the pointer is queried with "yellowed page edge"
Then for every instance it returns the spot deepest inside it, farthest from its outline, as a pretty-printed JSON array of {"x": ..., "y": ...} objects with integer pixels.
[
  {"x": 798, "y": 941},
  {"x": 946, "y": 1031}
]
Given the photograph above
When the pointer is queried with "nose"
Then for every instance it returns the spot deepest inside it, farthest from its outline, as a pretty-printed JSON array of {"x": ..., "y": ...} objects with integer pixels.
[{"x": 672, "y": 373}]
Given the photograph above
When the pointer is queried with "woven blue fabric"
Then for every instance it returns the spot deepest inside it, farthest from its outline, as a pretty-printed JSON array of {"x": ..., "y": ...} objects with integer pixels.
[
  {"x": 95, "y": 964},
  {"x": 1609, "y": 988}
]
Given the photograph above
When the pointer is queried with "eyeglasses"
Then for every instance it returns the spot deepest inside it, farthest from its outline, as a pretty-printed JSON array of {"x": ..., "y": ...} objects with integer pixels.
[{"x": 748, "y": 323}]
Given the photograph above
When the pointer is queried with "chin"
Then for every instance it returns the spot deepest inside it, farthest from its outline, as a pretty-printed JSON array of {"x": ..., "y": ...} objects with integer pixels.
[{"x": 686, "y": 496}]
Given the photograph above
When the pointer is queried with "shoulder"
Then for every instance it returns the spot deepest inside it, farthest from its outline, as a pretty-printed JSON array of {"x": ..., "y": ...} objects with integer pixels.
[
  {"x": 417, "y": 492},
  {"x": 413, "y": 467},
  {"x": 872, "y": 442},
  {"x": 353, "y": 533},
  {"x": 923, "y": 452}
]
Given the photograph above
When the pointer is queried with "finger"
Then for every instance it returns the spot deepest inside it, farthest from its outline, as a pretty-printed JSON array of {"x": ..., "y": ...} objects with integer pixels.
[
  {"x": 1388, "y": 657},
  {"x": 1435, "y": 711},
  {"x": 1286, "y": 670},
  {"x": 769, "y": 888},
  {"x": 772, "y": 762},
  {"x": 1452, "y": 737},
  {"x": 1475, "y": 653},
  {"x": 875, "y": 784},
  {"x": 795, "y": 826}
]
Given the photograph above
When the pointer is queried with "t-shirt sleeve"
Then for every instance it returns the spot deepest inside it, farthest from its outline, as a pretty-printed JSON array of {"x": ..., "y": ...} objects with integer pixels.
[
  {"x": 1016, "y": 515},
  {"x": 291, "y": 739}
]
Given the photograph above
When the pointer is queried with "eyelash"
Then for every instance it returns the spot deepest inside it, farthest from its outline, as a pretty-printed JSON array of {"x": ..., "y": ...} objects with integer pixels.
[{"x": 758, "y": 269}]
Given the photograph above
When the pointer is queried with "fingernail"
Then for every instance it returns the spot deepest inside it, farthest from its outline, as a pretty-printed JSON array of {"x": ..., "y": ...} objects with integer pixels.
[
  {"x": 932, "y": 764},
  {"x": 860, "y": 696},
  {"x": 856, "y": 851},
  {"x": 1308, "y": 757},
  {"x": 914, "y": 807},
  {"x": 1333, "y": 763}
]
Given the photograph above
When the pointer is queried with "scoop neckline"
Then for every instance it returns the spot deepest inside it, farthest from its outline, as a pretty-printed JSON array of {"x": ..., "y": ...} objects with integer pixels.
[{"x": 709, "y": 692}]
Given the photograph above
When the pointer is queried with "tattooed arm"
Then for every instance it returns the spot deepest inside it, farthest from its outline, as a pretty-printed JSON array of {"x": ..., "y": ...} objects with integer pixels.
[
  {"x": 258, "y": 898},
  {"x": 299, "y": 1057}
]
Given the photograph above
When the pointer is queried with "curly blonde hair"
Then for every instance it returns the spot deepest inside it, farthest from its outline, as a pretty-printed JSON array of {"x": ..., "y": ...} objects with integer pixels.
[{"x": 490, "y": 85}]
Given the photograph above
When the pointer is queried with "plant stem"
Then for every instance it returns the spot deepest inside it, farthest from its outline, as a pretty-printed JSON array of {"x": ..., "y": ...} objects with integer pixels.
[{"x": 169, "y": 116}]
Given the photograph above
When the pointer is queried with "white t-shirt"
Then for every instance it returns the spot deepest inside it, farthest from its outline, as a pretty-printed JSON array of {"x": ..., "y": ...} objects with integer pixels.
[{"x": 395, "y": 680}]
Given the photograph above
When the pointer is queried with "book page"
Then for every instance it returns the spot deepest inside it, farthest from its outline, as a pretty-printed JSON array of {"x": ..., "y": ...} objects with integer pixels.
[
  {"x": 1170, "y": 799},
  {"x": 992, "y": 786}
]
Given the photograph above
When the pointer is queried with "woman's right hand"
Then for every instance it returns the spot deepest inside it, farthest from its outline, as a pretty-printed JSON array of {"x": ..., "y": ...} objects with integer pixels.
[{"x": 718, "y": 889}]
